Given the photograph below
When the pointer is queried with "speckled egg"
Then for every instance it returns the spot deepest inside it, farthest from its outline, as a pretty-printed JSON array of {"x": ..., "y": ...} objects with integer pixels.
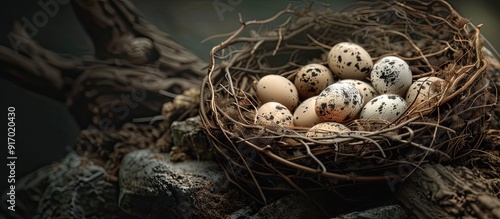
[
  {"x": 311, "y": 79},
  {"x": 391, "y": 75},
  {"x": 424, "y": 89},
  {"x": 305, "y": 114},
  {"x": 274, "y": 113},
  {"x": 276, "y": 88},
  {"x": 386, "y": 106},
  {"x": 339, "y": 102},
  {"x": 349, "y": 61},
  {"x": 366, "y": 89},
  {"x": 326, "y": 129}
]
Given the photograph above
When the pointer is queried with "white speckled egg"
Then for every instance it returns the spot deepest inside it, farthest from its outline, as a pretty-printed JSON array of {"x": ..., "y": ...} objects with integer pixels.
[
  {"x": 276, "y": 88},
  {"x": 386, "y": 106},
  {"x": 391, "y": 75},
  {"x": 274, "y": 113},
  {"x": 339, "y": 102},
  {"x": 349, "y": 61},
  {"x": 326, "y": 129},
  {"x": 311, "y": 79},
  {"x": 367, "y": 90},
  {"x": 424, "y": 89},
  {"x": 305, "y": 114}
]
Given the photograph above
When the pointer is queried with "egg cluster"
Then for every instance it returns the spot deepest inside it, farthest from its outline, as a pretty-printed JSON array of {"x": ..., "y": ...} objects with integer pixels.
[{"x": 351, "y": 86}]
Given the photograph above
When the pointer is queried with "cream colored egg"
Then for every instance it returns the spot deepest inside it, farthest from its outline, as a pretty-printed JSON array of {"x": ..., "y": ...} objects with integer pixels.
[
  {"x": 276, "y": 88},
  {"x": 326, "y": 129},
  {"x": 386, "y": 106},
  {"x": 339, "y": 102},
  {"x": 366, "y": 89},
  {"x": 305, "y": 114},
  {"x": 349, "y": 61},
  {"x": 311, "y": 79},
  {"x": 391, "y": 75},
  {"x": 423, "y": 89},
  {"x": 274, "y": 113}
]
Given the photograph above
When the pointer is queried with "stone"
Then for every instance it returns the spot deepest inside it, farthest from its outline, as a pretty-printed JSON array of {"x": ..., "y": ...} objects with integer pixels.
[
  {"x": 29, "y": 190},
  {"x": 389, "y": 211},
  {"x": 152, "y": 186},
  {"x": 77, "y": 188},
  {"x": 190, "y": 140},
  {"x": 291, "y": 206}
]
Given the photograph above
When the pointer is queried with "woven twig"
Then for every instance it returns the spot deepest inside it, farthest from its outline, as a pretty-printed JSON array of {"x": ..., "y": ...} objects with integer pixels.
[{"x": 431, "y": 36}]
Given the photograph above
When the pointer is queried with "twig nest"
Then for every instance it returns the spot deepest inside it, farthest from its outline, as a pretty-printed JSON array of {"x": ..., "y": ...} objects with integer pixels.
[{"x": 407, "y": 41}]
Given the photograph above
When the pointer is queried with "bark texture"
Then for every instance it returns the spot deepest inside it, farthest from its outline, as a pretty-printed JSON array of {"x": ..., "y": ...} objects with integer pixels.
[
  {"x": 437, "y": 191},
  {"x": 133, "y": 62}
]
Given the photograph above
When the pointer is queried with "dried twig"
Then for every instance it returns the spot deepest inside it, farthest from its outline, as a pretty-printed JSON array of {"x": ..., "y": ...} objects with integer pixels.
[{"x": 430, "y": 36}]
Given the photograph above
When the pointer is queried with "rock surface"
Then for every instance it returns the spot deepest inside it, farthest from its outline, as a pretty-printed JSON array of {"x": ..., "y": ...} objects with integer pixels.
[
  {"x": 77, "y": 189},
  {"x": 151, "y": 186},
  {"x": 298, "y": 207},
  {"x": 189, "y": 140},
  {"x": 389, "y": 211},
  {"x": 29, "y": 190},
  {"x": 292, "y": 206},
  {"x": 73, "y": 188}
]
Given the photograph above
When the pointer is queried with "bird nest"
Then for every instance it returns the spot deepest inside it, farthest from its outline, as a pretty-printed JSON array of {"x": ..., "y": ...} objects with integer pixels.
[{"x": 430, "y": 36}]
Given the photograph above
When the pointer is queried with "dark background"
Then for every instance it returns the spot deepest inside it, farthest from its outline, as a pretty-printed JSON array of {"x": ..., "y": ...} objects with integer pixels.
[{"x": 44, "y": 128}]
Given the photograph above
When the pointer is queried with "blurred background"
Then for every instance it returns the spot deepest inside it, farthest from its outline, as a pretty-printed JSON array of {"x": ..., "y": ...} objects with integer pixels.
[
  {"x": 44, "y": 128},
  {"x": 192, "y": 21}
]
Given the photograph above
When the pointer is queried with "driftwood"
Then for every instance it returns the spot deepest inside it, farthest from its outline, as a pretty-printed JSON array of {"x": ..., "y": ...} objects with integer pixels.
[
  {"x": 111, "y": 24},
  {"x": 438, "y": 191},
  {"x": 133, "y": 61}
]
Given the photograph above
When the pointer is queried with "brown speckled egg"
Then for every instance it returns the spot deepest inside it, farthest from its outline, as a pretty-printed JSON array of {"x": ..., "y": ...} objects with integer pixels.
[
  {"x": 421, "y": 90},
  {"x": 339, "y": 102},
  {"x": 391, "y": 75},
  {"x": 311, "y": 79},
  {"x": 276, "y": 88},
  {"x": 326, "y": 129},
  {"x": 349, "y": 61},
  {"x": 386, "y": 106},
  {"x": 367, "y": 90},
  {"x": 305, "y": 114},
  {"x": 274, "y": 113}
]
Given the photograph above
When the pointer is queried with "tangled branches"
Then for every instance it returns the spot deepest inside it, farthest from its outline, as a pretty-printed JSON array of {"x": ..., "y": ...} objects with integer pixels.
[{"x": 431, "y": 36}]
